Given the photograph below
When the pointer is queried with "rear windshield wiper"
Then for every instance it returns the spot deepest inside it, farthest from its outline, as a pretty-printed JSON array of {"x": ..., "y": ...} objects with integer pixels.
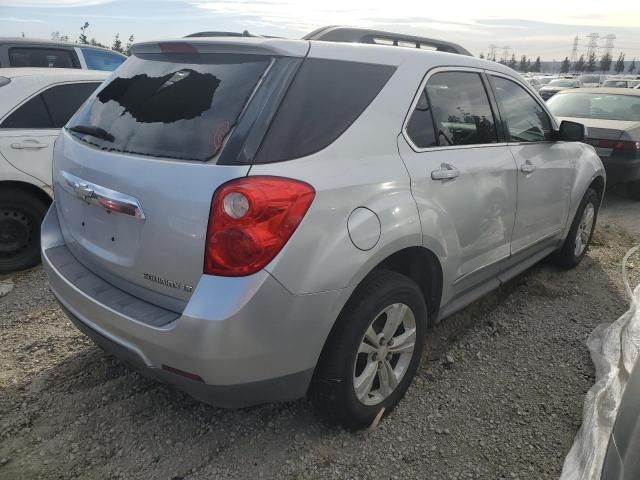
[{"x": 97, "y": 132}]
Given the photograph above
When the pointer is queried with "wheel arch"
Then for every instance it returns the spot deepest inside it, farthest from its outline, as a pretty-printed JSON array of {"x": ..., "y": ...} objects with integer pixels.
[{"x": 29, "y": 188}]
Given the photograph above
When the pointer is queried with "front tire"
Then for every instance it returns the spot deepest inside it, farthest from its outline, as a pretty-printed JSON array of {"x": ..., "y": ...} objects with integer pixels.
[
  {"x": 579, "y": 237},
  {"x": 372, "y": 353},
  {"x": 20, "y": 217}
]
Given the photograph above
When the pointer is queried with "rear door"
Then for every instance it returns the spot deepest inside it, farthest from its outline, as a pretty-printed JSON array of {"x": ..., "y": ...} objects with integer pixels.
[
  {"x": 545, "y": 167},
  {"x": 461, "y": 172},
  {"x": 28, "y": 133},
  {"x": 136, "y": 168}
]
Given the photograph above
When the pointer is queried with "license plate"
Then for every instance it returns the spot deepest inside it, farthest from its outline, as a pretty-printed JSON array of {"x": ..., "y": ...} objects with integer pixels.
[{"x": 604, "y": 152}]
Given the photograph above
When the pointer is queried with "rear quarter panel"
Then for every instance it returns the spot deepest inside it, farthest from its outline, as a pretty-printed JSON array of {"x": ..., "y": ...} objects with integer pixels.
[{"x": 362, "y": 168}]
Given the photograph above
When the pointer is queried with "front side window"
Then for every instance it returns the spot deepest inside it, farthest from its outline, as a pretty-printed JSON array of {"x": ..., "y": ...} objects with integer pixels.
[
  {"x": 460, "y": 109},
  {"x": 41, "y": 57},
  {"x": 101, "y": 60},
  {"x": 525, "y": 119}
]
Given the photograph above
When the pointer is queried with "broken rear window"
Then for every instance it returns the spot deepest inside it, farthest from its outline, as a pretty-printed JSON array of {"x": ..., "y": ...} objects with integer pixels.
[{"x": 170, "y": 105}]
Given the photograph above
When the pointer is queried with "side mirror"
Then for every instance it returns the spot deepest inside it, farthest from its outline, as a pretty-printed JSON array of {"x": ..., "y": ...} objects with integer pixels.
[{"x": 571, "y": 132}]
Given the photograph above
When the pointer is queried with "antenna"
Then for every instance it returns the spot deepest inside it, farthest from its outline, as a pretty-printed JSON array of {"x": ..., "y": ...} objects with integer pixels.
[{"x": 574, "y": 51}]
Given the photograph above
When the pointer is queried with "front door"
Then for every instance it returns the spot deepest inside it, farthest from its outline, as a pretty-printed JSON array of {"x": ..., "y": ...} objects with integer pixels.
[{"x": 545, "y": 167}]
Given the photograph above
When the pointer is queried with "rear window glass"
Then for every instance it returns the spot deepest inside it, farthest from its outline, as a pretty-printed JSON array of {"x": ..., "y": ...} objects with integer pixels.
[
  {"x": 170, "y": 105},
  {"x": 41, "y": 57},
  {"x": 324, "y": 99},
  {"x": 596, "y": 105}
]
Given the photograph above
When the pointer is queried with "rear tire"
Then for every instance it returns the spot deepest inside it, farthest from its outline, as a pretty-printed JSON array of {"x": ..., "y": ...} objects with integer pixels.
[
  {"x": 20, "y": 217},
  {"x": 579, "y": 237},
  {"x": 379, "y": 335}
]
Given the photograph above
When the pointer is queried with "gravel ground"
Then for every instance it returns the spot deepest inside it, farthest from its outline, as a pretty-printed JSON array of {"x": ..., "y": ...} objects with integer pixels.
[{"x": 499, "y": 394}]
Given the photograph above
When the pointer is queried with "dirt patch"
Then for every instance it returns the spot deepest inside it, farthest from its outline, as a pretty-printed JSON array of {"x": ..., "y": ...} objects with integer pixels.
[{"x": 499, "y": 394}]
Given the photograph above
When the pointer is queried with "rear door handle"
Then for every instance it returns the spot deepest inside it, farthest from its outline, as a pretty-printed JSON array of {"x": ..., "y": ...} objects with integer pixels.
[
  {"x": 446, "y": 172},
  {"x": 527, "y": 167},
  {"x": 28, "y": 144}
]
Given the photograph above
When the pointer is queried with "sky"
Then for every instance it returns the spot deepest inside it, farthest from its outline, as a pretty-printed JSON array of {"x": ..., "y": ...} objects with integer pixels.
[{"x": 530, "y": 27}]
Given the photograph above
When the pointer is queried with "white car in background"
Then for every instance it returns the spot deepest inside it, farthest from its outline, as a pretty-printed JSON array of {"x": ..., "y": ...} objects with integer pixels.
[{"x": 35, "y": 103}]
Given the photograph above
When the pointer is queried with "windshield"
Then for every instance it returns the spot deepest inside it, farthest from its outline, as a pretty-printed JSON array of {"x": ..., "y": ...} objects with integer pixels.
[
  {"x": 590, "y": 79},
  {"x": 594, "y": 105},
  {"x": 563, "y": 83},
  {"x": 170, "y": 105},
  {"x": 544, "y": 80}
]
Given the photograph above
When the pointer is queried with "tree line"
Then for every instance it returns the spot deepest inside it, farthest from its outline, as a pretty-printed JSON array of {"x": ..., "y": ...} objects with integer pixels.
[
  {"x": 116, "y": 46},
  {"x": 589, "y": 64}
]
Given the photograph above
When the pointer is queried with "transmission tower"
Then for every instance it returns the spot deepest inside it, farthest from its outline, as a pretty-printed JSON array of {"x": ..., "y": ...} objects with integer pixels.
[
  {"x": 608, "y": 46},
  {"x": 492, "y": 52},
  {"x": 592, "y": 46},
  {"x": 505, "y": 53},
  {"x": 574, "y": 51}
]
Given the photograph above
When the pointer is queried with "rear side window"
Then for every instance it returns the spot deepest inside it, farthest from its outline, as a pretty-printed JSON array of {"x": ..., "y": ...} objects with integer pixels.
[
  {"x": 324, "y": 99},
  {"x": 171, "y": 105},
  {"x": 460, "y": 109},
  {"x": 32, "y": 114},
  {"x": 101, "y": 60},
  {"x": 63, "y": 100},
  {"x": 42, "y": 57},
  {"x": 525, "y": 119}
]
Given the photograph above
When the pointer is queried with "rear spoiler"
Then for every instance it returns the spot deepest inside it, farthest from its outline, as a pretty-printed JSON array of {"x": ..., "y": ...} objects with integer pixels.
[
  {"x": 378, "y": 37},
  {"x": 235, "y": 44}
]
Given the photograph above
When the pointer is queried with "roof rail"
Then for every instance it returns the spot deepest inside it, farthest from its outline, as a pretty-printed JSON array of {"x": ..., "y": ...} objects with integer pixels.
[
  {"x": 245, "y": 33},
  {"x": 337, "y": 33}
]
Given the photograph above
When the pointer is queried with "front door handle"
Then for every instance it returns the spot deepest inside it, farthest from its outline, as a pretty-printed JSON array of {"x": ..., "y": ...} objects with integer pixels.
[
  {"x": 527, "y": 167},
  {"x": 28, "y": 144},
  {"x": 446, "y": 172}
]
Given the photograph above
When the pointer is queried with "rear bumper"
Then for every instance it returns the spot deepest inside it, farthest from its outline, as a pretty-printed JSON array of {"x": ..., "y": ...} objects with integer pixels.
[
  {"x": 248, "y": 339},
  {"x": 621, "y": 170}
]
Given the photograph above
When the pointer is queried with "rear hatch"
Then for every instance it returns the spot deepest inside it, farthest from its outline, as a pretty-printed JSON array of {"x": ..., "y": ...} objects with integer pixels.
[{"x": 135, "y": 169}]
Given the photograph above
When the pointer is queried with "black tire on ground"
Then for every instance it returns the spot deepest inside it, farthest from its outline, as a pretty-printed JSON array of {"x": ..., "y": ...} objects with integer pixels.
[
  {"x": 332, "y": 391},
  {"x": 20, "y": 217},
  {"x": 566, "y": 257}
]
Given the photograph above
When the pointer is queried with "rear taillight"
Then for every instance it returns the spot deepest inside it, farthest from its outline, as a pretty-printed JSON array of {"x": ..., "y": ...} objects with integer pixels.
[
  {"x": 251, "y": 219},
  {"x": 615, "y": 144}
]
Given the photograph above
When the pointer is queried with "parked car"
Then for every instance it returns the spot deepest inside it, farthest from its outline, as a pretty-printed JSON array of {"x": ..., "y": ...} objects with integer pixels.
[
  {"x": 24, "y": 52},
  {"x": 620, "y": 83},
  {"x": 612, "y": 118},
  {"x": 288, "y": 218},
  {"x": 590, "y": 80},
  {"x": 35, "y": 103},
  {"x": 621, "y": 459},
  {"x": 534, "y": 82},
  {"x": 555, "y": 86}
]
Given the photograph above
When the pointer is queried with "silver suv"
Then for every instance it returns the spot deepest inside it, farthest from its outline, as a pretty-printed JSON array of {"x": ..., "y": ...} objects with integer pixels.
[{"x": 257, "y": 219}]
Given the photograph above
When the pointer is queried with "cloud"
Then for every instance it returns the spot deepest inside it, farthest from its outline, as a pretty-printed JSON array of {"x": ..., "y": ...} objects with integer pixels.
[
  {"x": 53, "y": 3},
  {"x": 21, "y": 20}
]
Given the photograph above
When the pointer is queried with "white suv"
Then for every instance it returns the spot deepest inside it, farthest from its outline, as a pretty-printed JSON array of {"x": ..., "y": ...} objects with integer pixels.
[{"x": 35, "y": 103}]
